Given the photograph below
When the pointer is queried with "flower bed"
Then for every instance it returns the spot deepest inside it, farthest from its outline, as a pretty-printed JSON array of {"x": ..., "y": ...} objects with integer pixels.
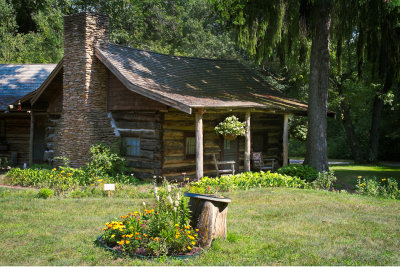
[
  {"x": 162, "y": 229},
  {"x": 245, "y": 180}
]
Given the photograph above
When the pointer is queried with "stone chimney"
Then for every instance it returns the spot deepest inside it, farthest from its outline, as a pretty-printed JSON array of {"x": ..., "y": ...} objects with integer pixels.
[{"x": 84, "y": 120}]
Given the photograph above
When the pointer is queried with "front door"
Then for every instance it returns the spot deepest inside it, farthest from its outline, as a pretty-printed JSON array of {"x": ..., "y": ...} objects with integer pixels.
[{"x": 230, "y": 152}]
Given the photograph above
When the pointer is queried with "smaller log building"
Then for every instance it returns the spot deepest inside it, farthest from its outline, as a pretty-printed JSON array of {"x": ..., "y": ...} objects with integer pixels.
[{"x": 159, "y": 109}]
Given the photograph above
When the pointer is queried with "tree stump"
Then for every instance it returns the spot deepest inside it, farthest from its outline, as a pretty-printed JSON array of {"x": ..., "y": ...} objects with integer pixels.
[{"x": 208, "y": 214}]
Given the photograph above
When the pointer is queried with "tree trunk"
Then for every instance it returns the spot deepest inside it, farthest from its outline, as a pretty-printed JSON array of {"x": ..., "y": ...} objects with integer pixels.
[
  {"x": 377, "y": 116},
  {"x": 375, "y": 129},
  {"x": 316, "y": 154},
  {"x": 352, "y": 139}
]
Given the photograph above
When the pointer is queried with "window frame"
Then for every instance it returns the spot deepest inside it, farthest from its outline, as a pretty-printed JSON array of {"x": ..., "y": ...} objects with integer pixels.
[
  {"x": 125, "y": 147},
  {"x": 189, "y": 156}
]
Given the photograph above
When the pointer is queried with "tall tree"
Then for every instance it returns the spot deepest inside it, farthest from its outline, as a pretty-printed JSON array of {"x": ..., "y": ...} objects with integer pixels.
[{"x": 273, "y": 27}]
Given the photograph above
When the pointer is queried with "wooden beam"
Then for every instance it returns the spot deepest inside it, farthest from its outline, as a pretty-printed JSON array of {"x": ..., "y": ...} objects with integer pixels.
[
  {"x": 285, "y": 142},
  {"x": 247, "y": 144},
  {"x": 199, "y": 143},
  {"x": 32, "y": 127}
]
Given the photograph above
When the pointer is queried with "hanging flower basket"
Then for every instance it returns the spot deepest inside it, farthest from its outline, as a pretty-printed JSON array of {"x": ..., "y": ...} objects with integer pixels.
[
  {"x": 231, "y": 128},
  {"x": 230, "y": 137}
]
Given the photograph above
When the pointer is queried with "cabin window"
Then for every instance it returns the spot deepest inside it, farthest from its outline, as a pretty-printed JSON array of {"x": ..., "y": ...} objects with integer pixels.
[
  {"x": 190, "y": 146},
  {"x": 131, "y": 146}
]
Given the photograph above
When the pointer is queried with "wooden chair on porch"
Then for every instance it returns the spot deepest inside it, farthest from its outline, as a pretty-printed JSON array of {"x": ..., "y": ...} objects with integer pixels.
[
  {"x": 221, "y": 168},
  {"x": 261, "y": 164}
]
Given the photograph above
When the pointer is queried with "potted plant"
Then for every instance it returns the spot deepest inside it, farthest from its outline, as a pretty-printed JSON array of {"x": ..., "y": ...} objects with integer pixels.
[{"x": 231, "y": 127}]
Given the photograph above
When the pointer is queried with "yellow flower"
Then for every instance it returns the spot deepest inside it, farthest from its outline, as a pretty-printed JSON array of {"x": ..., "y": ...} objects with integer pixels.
[
  {"x": 177, "y": 225},
  {"x": 188, "y": 232},
  {"x": 187, "y": 226},
  {"x": 62, "y": 171},
  {"x": 193, "y": 243},
  {"x": 112, "y": 236},
  {"x": 100, "y": 180},
  {"x": 189, "y": 248},
  {"x": 359, "y": 177},
  {"x": 197, "y": 230},
  {"x": 144, "y": 235},
  {"x": 127, "y": 242},
  {"x": 121, "y": 242},
  {"x": 51, "y": 176},
  {"x": 92, "y": 184},
  {"x": 136, "y": 233},
  {"x": 191, "y": 237},
  {"x": 384, "y": 179},
  {"x": 177, "y": 236},
  {"x": 104, "y": 229},
  {"x": 53, "y": 169}
]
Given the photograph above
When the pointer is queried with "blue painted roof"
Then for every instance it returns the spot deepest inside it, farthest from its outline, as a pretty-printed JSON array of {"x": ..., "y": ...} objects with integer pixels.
[{"x": 17, "y": 80}]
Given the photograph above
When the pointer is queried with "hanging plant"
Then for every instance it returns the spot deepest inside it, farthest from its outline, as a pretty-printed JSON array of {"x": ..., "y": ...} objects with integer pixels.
[{"x": 231, "y": 127}]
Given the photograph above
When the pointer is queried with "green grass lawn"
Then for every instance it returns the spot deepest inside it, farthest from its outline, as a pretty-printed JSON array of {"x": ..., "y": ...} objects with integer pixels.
[
  {"x": 277, "y": 226},
  {"x": 347, "y": 174}
]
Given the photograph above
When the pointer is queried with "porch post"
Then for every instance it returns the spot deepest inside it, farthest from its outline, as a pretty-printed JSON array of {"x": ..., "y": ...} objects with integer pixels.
[
  {"x": 199, "y": 143},
  {"x": 247, "y": 144},
  {"x": 32, "y": 126},
  {"x": 285, "y": 142}
]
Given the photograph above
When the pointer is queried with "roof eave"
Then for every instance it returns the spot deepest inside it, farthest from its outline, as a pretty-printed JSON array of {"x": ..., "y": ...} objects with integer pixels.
[
  {"x": 38, "y": 92},
  {"x": 154, "y": 96}
]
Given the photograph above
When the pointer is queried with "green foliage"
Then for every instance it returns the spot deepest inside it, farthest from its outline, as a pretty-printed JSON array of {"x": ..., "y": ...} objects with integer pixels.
[
  {"x": 45, "y": 193},
  {"x": 157, "y": 230},
  {"x": 325, "y": 180},
  {"x": 102, "y": 167},
  {"x": 246, "y": 181},
  {"x": 304, "y": 172},
  {"x": 382, "y": 187},
  {"x": 231, "y": 126},
  {"x": 104, "y": 162}
]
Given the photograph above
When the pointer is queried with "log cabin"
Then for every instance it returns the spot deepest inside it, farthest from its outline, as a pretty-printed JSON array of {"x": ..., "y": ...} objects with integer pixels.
[{"x": 160, "y": 110}]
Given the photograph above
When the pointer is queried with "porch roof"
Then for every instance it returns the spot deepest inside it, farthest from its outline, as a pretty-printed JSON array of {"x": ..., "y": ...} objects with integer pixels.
[
  {"x": 17, "y": 80},
  {"x": 185, "y": 83}
]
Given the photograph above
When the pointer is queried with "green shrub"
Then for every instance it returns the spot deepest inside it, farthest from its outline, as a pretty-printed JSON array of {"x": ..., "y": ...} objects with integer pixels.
[
  {"x": 382, "y": 187},
  {"x": 302, "y": 171},
  {"x": 157, "y": 230},
  {"x": 325, "y": 180},
  {"x": 248, "y": 180},
  {"x": 103, "y": 167},
  {"x": 45, "y": 193},
  {"x": 103, "y": 162}
]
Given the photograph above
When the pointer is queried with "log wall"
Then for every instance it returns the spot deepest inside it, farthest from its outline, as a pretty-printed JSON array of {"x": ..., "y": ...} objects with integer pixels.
[
  {"x": 16, "y": 138},
  {"x": 177, "y": 125},
  {"x": 146, "y": 125}
]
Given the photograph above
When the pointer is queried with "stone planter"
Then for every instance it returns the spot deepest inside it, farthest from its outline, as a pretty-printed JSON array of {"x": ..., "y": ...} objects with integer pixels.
[{"x": 208, "y": 214}]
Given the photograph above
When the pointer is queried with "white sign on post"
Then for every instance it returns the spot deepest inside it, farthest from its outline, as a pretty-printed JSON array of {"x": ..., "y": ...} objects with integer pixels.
[{"x": 109, "y": 188}]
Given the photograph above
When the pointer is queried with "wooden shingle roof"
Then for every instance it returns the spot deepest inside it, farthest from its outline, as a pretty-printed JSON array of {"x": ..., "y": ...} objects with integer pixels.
[
  {"x": 17, "y": 80},
  {"x": 185, "y": 83}
]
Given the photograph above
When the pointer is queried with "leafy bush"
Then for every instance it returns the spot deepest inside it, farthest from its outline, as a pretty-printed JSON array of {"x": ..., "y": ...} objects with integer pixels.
[
  {"x": 231, "y": 126},
  {"x": 103, "y": 162},
  {"x": 103, "y": 167},
  {"x": 248, "y": 180},
  {"x": 45, "y": 193},
  {"x": 302, "y": 171},
  {"x": 325, "y": 180},
  {"x": 158, "y": 230},
  {"x": 384, "y": 187}
]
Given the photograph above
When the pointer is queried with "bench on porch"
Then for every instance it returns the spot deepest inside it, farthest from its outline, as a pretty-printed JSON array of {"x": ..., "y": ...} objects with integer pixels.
[
  {"x": 261, "y": 164},
  {"x": 221, "y": 168}
]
